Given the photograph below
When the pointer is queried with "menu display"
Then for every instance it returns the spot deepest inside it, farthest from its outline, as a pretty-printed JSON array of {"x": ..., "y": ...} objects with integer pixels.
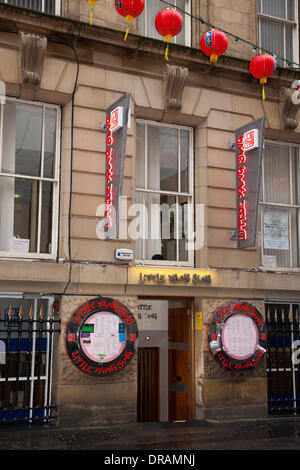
[
  {"x": 101, "y": 337},
  {"x": 237, "y": 336}
]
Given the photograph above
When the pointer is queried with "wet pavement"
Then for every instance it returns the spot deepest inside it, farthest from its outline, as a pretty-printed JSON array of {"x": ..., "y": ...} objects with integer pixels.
[{"x": 264, "y": 434}]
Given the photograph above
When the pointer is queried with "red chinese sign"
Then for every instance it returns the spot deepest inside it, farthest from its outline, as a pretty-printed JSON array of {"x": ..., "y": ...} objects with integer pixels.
[
  {"x": 249, "y": 143},
  {"x": 242, "y": 190},
  {"x": 117, "y": 118}
]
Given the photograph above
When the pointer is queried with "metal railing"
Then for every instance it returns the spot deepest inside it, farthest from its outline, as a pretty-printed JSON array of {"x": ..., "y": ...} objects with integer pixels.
[
  {"x": 26, "y": 351},
  {"x": 283, "y": 370}
]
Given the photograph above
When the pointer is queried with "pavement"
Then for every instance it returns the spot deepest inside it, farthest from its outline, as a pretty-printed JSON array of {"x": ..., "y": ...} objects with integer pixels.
[{"x": 157, "y": 438}]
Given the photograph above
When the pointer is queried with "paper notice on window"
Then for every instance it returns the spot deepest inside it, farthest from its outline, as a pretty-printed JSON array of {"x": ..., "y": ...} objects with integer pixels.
[
  {"x": 20, "y": 245},
  {"x": 276, "y": 229},
  {"x": 269, "y": 260}
]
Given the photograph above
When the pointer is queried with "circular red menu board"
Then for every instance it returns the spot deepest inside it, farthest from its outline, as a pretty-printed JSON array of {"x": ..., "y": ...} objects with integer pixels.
[
  {"x": 237, "y": 336},
  {"x": 101, "y": 337}
]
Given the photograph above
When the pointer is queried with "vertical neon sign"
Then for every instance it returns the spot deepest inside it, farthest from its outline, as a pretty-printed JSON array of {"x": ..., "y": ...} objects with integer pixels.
[
  {"x": 248, "y": 149},
  {"x": 117, "y": 122},
  {"x": 242, "y": 190},
  {"x": 109, "y": 174}
]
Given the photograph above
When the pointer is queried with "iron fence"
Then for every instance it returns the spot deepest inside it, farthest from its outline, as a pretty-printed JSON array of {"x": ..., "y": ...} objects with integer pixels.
[
  {"x": 26, "y": 352},
  {"x": 282, "y": 359}
]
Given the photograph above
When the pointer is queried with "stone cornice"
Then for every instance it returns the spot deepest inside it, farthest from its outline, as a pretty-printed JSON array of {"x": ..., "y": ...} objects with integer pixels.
[{"x": 55, "y": 28}]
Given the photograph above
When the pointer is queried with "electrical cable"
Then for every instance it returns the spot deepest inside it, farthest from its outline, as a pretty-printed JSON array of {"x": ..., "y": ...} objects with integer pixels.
[
  {"x": 72, "y": 151},
  {"x": 255, "y": 47}
]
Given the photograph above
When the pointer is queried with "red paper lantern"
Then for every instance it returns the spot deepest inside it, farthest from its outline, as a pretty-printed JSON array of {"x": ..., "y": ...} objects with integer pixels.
[
  {"x": 263, "y": 66},
  {"x": 168, "y": 23},
  {"x": 213, "y": 44},
  {"x": 129, "y": 9}
]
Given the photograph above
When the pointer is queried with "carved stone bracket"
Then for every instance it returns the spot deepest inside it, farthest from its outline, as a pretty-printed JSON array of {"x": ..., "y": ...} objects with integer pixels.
[
  {"x": 288, "y": 109},
  {"x": 32, "y": 55},
  {"x": 174, "y": 79}
]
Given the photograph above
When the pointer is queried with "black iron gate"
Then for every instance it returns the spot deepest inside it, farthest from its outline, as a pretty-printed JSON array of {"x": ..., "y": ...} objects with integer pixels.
[
  {"x": 283, "y": 358},
  {"x": 27, "y": 332}
]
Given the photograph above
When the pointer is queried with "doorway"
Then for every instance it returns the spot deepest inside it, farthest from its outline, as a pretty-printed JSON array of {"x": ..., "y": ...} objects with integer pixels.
[{"x": 165, "y": 360}]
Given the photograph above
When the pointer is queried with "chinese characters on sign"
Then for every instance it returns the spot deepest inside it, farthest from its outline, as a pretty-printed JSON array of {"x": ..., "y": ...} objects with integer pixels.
[
  {"x": 117, "y": 119},
  {"x": 249, "y": 142}
]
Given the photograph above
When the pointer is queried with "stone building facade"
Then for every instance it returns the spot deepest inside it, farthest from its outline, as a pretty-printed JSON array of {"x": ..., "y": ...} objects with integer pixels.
[{"x": 60, "y": 75}]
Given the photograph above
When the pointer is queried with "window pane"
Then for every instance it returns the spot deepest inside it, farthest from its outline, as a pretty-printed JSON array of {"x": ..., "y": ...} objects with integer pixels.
[
  {"x": 50, "y": 143},
  {"x": 28, "y": 139},
  {"x": 184, "y": 227},
  {"x": 274, "y": 8},
  {"x": 168, "y": 227},
  {"x": 295, "y": 152},
  {"x": 153, "y": 8},
  {"x": 289, "y": 33},
  {"x": 276, "y": 174},
  {"x": 46, "y": 218},
  {"x": 259, "y": 6},
  {"x": 180, "y": 38},
  {"x": 35, "y": 5},
  {"x": 184, "y": 160},
  {"x": 140, "y": 156},
  {"x": 291, "y": 10},
  {"x": 160, "y": 243},
  {"x": 32, "y": 4},
  {"x": 162, "y": 157},
  {"x": 272, "y": 37},
  {"x": 50, "y": 6},
  {"x": 276, "y": 237},
  {"x": 139, "y": 227},
  {"x": 19, "y": 208}
]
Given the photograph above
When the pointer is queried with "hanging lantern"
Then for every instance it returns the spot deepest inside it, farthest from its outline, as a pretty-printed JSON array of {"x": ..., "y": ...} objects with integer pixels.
[
  {"x": 168, "y": 23},
  {"x": 263, "y": 66},
  {"x": 93, "y": 3},
  {"x": 213, "y": 44},
  {"x": 129, "y": 9}
]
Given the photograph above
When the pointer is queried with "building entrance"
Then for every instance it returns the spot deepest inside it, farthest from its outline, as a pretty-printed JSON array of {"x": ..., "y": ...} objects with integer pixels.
[{"x": 165, "y": 362}]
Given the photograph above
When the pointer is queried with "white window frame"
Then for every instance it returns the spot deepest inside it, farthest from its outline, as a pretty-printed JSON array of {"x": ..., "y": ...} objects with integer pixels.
[
  {"x": 55, "y": 180},
  {"x": 186, "y": 18},
  {"x": 292, "y": 205},
  {"x": 284, "y": 22},
  {"x": 57, "y": 7},
  {"x": 190, "y": 194}
]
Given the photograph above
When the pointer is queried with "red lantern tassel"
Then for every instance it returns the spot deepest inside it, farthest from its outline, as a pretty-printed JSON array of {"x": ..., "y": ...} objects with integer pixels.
[
  {"x": 262, "y": 82},
  {"x": 128, "y": 20},
  {"x": 168, "y": 39}
]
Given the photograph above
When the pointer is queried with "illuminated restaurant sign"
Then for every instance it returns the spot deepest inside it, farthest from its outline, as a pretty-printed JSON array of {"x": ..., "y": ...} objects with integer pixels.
[
  {"x": 117, "y": 118},
  {"x": 248, "y": 143},
  {"x": 170, "y": 277},
  {"x": 101, "y": 337},
  {"x": 237, "y": 336}
]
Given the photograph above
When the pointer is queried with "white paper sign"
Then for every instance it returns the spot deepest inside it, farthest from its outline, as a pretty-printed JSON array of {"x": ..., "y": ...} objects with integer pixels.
[
  {"x": 153, "y": 315},
  {"x": 20, "y": 245},
  {"x": 276, "y": 229},
  {"x": 269, "y": 260}
]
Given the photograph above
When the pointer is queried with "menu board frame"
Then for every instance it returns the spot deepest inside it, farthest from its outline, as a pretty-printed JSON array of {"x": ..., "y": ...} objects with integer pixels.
[
  {"x": 216, "y": 326},
  {"x": 74, "y": 329}
]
